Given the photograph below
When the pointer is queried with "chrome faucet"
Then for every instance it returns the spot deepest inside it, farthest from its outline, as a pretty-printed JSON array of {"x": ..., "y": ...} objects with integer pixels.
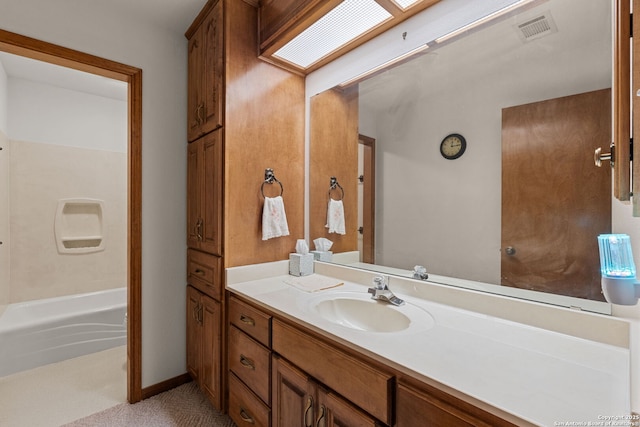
[
  {"x": 380, "y": 291},
  {"x": 419, "y": 272}
]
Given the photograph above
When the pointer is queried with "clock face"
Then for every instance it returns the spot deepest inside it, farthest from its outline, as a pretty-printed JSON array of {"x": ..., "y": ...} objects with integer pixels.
[{"x": 453, "y": 146}]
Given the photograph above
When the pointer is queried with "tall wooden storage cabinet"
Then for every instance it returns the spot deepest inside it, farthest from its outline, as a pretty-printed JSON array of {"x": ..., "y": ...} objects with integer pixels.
[
  {"x": 205, "y": 174},
  {"x": 244, "y": 116}
]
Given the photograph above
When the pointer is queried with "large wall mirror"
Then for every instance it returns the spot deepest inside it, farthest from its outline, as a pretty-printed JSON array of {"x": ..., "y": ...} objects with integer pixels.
[{"x": 519, "y": 211}]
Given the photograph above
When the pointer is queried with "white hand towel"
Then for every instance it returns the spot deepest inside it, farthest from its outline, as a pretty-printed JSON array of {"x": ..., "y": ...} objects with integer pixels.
[
  {"x": 335, "y": 217},
  {"x": 274, "y": 220}
]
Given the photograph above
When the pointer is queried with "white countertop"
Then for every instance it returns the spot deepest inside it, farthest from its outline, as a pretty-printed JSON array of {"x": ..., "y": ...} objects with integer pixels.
[{"x": 540, "y": 376}]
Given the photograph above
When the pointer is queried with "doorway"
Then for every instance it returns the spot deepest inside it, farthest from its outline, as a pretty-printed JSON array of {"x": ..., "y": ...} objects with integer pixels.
[
  {"x": 367, "y": 198},
  {"x": 39, "y": 50}
]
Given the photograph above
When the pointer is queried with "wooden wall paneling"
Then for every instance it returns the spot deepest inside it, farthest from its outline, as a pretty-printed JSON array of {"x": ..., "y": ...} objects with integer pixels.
[
  {"x": 334, "y": 122},
  {"x": 264, "y": 128}
]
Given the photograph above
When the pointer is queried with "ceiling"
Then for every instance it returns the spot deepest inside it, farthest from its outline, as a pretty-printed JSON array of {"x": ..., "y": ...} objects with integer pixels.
[{"x": 173, "y": 15}]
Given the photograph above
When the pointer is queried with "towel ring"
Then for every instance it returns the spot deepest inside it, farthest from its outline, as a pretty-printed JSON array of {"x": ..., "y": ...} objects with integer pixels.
[
  {"x": 270, "y": 178},
  {"x": 333, "y": 184}
]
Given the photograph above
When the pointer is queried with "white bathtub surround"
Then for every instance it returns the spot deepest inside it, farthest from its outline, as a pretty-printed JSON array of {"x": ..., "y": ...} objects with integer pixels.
[
  {"x": 40, "y": 332},
  {"x": 539, "y": 375},
  {"x": 41, "y": 175}
]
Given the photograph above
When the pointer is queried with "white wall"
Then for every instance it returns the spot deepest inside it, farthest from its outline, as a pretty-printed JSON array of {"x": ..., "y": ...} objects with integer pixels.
[
  {"x": 93, "y": 28},
  {"x": 66, "y": 117}
]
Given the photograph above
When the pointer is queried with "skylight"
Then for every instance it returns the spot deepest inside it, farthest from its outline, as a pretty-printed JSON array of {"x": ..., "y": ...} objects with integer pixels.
[{"x": 345, "y": 22}]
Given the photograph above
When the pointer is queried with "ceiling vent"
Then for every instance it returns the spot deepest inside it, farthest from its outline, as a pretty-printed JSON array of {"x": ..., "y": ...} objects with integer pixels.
[{"x": 538, "y": 27}]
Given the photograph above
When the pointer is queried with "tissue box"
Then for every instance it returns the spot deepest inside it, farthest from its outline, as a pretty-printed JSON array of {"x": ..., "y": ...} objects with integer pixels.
[
  {"x": 322, "y": 255},
  {"x": 300, "y": 265}
]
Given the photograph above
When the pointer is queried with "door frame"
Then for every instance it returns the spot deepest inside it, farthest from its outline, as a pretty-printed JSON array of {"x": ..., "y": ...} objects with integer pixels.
[
  {"x": 58, "y": 55},
  {"x": 369, "y": 199}
]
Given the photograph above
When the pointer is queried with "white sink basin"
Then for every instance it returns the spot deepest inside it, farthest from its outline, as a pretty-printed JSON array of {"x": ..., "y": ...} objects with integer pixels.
[{"x": 359, "y": 312}]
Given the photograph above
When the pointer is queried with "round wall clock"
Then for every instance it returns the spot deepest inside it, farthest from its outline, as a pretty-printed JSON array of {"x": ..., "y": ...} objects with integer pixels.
[{"x": 453, "y": 146}]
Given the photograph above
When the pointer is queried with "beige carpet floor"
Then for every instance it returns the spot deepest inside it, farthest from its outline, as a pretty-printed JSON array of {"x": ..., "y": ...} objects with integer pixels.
[{"x": 183, "y": 406}]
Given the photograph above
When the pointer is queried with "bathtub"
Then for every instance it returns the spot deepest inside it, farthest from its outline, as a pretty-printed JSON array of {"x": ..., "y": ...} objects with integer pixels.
[{"x": 40, "y": 332}]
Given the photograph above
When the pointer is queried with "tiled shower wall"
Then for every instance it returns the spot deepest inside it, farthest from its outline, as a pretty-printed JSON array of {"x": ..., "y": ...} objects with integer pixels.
[{"x": 60, "y": 144}]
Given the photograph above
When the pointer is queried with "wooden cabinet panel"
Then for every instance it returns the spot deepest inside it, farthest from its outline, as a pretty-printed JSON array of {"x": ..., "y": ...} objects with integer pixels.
[
  {"x": 205, "y": 74},
  {"x": 194, "y": 353},
  {"x": 210, "y": 375},
  {"x": 251, "y": 362},
  {"x": 427, "y": 406},
  {"x": 204, "y": 321},
  {"x": 244, "y": 407},
  {"x": 293, "y": 396},
  {"x": 368, "y": 387},
  {"x": 334, "y": 411},
  {"x": 250, "y": 320},
  {"x": 204, "y": 271},
  {"x": 204, "y": 194}
]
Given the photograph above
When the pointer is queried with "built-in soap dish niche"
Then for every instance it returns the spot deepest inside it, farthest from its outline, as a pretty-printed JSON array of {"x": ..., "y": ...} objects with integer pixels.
[{"x": 79, "y": 226}]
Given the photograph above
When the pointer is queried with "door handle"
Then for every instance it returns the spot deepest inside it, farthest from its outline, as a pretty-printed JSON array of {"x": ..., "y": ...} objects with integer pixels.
[{"x": 510, "y": 250}]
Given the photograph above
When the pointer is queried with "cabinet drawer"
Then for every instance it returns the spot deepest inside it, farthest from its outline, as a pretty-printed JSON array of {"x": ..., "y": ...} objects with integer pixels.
[
  {"x": 203, "y": 272},
  {"x": 244, "y": 407},
  {"x": 367, "y": 387},
  {"x": 251, "y": 362},
  {"x": 250, "y": 320}
]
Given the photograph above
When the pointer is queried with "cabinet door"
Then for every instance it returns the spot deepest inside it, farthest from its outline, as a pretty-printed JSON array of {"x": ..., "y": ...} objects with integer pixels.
[
  {"x": 204, "y": 194},
  {"x": 213, "y": 70},
  {"x": 205, "y": 62},
  {"x": 211, "y": 352},
  {"x": 211, "y": 193},
  {"x": 293, "y": 396},
  {"x": 334, "y": 411},
  {"x": 193, "y": 333}
]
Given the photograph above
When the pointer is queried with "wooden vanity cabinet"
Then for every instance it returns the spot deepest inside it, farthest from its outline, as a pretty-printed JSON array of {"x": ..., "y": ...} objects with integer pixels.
[
  {"x": 315, "y": 381},
  {"x": 204, "y": 344},
  {"x": 205, "y": 75}
]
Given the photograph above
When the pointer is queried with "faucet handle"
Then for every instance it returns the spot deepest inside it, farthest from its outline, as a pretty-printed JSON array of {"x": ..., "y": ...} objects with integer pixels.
[{"x": 380, "y": 282}]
